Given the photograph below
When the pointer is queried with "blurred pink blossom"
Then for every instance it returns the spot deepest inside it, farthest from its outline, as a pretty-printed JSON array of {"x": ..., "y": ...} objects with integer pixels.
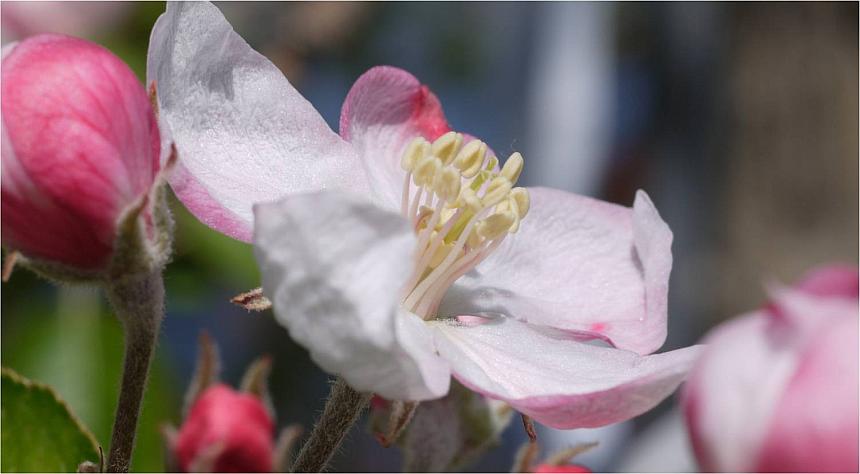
[
  {"x": 84, "y": 19},
  {"x": 226, "y": 431},
  {"x": 777, "y": 389},
  {"x": 566, "y": 469}
]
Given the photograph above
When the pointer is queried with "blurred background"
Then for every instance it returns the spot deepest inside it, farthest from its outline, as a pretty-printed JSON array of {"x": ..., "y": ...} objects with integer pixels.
[{"x": 739, "y": 119}]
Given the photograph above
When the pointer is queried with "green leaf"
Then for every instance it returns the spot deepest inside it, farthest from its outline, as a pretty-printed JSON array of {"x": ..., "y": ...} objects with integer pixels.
[
  {"x": 39, "y": 432},
  {"x": 73, "y": 343}
]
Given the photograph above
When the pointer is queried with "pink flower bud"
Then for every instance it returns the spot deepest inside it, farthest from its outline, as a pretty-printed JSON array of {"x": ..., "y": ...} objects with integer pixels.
[
  {"x": 567, "y": 468},
  {"x": 226, "y": 431},
  {"x": 80, "y": 146},
  {"x": 777, "y": 389}
]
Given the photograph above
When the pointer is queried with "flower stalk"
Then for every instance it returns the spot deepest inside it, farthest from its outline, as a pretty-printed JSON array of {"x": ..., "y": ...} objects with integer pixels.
[
  {"x": 138, "y": 301},
  {"x": 342, "y": 410}
]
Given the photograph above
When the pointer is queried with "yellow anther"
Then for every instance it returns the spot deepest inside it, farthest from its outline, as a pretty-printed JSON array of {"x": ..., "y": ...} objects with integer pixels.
[
  {"x": 515, "y": 226},
  {"x": 416, "y": 150},
  {"x": 446, "y": 184},
  {"x": 510, "y": 204},
  {"x": 513, "y": 167},
  {"x": 496, "y": 225},
  {"x": 469, "y": 200},
  {"x": 425, "y": 169},
  {"x": 507, "y": 205},
  {"x": 441, "y": 252},
  {"x": 521, "y": 197},
  {"x": 497, "y": 191},
  {"x": 474, "y": 240},
  {"x": 446, "y": 146},
  {"x": 470, "y": 158}
]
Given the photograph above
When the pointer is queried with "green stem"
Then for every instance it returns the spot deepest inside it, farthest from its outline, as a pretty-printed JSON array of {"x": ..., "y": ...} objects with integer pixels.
[
  {"x": 342, "y": 410},
  {"x": 139, "y": 305}
]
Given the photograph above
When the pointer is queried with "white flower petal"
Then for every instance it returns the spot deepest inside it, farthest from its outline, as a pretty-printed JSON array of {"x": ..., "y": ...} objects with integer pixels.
[
  {"x": 243, "y": 133},
  {"x": 333, "y": 266}
]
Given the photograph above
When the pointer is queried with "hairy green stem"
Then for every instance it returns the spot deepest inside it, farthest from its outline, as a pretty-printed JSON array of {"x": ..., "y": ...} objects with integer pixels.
[
  {"x": 139, "y": 305},
  {"x": 342, "y": 410}
]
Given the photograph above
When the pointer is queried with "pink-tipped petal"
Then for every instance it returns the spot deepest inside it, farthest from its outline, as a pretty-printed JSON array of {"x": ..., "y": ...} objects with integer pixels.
[
  {"x": 556, "y": 380},
  {"x": 243, "y": 133},
  {"x": 590, "y": 267},
  {"x": 805, "y": 311},
  {"x": 333, "y": 266},
  {"x": 814, "y": 427},
  {"x": 731, "y": 393},
  {"x": 777, "y": 389},
  {"x": 385, "y": 109},
  {"x": 833, "y": 281}
]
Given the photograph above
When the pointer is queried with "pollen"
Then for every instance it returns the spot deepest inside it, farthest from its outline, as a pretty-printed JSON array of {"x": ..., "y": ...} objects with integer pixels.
[{"x": 462, "y": 207}]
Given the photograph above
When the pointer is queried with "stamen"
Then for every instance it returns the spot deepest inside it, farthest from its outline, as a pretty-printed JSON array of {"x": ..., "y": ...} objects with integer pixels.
[
  {"x": 496, "y": 225},
  {"x": 497, "y": 190},
  {"x": 447, "y": 184},
  {"x": 425, "y": 169},
  {"x": 416, "y": 150},
  {"x": 513, "y": 167},
  {"x": 470, "y": 158},
  {"x": 521, "y": 197},
  {"x": 469, "y": 207},
  {"x": 446, "y": 146}
]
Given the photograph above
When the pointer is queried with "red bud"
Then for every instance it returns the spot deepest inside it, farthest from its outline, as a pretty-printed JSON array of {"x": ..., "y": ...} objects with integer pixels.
[{"x": 226, "y": 431}]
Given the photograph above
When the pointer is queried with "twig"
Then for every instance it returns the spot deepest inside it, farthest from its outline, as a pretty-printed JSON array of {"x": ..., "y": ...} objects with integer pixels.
[{"x": 342, "y": 410}]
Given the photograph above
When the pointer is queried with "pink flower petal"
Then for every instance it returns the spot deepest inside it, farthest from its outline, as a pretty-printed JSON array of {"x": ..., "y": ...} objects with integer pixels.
[
  {"x": 558, "y": 381},
  {"x": 385, "y": 109},
  {"x": 814, "y": 426},
  {"x": 729, "y": 397},
  {"x": 777, "y": 389},
  {"x": 243, "y": 133},
  {"x": 578, "y": 264},
  {"x": 833, "y": 280}
]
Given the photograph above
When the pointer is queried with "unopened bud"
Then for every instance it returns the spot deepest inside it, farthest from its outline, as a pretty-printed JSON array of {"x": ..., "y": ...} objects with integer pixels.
[
  {"x": 226, "y": 431},
  {"x": 80, "y": 156}
]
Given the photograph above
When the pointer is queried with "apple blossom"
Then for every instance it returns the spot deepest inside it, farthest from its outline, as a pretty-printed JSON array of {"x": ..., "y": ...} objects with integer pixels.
[
  {"x": 777, "y": 389},
  {"x": 80, "y": 152},
  {"x": 399, "y": 253}
]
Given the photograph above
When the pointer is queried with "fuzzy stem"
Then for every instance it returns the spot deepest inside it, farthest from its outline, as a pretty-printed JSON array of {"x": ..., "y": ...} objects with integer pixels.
[
  {"x": 139, "y": 304},
  {"x": 342, "y": 410}
]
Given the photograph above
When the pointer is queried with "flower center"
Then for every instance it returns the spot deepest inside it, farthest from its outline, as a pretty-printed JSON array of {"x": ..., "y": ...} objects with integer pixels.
[{"x": 461, "y": 207}]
